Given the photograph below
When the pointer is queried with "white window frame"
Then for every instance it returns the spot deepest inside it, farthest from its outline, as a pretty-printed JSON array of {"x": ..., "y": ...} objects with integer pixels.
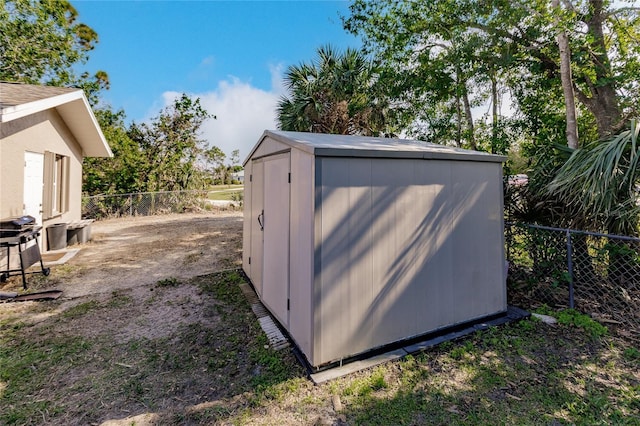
[{"x": 56, "y": 184}]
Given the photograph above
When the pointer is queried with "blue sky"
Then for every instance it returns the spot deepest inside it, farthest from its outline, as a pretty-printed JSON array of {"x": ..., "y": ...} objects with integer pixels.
[{"x": 231, "y": 54}]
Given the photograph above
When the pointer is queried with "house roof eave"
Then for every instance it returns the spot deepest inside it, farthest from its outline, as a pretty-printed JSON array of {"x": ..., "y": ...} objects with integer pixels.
[{"x": 77, "y": 114}]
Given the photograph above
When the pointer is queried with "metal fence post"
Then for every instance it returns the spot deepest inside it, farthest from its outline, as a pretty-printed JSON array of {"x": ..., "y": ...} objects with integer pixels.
[
  {"x": 131, "y": 205},
  {"x": 539, "y": 276},
  {"x": 570, "y": 268},
  {"x": 508, "y": 238}
]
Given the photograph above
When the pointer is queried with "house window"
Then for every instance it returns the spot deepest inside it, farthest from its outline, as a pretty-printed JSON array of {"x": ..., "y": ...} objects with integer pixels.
[{"x": 56, "y": 184}]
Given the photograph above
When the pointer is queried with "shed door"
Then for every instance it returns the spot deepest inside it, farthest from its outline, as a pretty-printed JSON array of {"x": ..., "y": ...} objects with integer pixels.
[
  {"x": 257, "y": 234},
  {"x": 33, "y": 184},
  {"x": 275, "y": 272}
]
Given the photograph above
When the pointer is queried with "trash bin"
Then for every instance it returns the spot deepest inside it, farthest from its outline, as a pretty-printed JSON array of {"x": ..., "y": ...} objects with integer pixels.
[
  {"x": 72, "y": 235},
  {"x": 57, "y": 236},
  {"x": 85, "y": 234}
]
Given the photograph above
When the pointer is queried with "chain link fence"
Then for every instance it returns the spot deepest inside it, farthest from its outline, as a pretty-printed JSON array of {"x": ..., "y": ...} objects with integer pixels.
[
  {"x": 598, "y": 274},
  {"x": 144, "y": 204}
]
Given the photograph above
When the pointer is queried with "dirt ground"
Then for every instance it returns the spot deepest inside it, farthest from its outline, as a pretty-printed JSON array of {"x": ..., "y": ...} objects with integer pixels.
[
  {"x": 139, "y": 251},
  {"x": 134, "y": 253},
  {"x": 128, "y": 257},
  {"x": 126, "y": 286}
]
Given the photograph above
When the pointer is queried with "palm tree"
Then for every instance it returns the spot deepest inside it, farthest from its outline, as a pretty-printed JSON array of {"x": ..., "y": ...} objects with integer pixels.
[
  {"x": 335, "y": 93},
  {"x": 601, "y": 180}
]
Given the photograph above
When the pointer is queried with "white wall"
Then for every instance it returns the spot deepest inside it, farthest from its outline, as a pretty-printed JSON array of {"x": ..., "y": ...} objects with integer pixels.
[{"x": 39, "y": 132}]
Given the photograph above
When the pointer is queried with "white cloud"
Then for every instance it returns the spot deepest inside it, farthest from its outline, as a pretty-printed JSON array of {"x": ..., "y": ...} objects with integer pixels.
[
  {"x": 203, "y": 71},
  {"x": 277, "y": 83},
  {"x": 243, "y": 112}
]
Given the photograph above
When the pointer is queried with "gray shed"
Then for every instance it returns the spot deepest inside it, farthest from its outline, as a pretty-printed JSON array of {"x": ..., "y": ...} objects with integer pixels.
[{"x": 354, "y": 243}]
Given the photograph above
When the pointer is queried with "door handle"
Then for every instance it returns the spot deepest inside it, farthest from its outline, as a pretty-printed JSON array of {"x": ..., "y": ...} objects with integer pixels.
[{"x": 261, "y": 220}]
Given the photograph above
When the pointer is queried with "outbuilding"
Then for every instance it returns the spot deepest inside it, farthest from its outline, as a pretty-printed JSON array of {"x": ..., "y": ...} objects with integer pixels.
[
  {"x": 355, "y": 243},
  {"x": 45, "y": 133}
]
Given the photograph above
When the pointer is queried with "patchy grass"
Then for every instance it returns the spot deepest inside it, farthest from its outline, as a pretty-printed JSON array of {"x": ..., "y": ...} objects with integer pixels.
[
  {"x": 527, "y": 373},
  {"x": 168, "y": 282},
  {"x": 221, "y": 370},
  {"x": 225, "y": 195},
  {"x": 590, "y": 326},
  {"x": 225, "y": 192},
  {"x": 119, "y": 299},
  {"x": 81, "y": 309},
  {"x": 37, "y": 281},
  {"x": 224, "y": 187},
  {"x": 53, "y": 377}
]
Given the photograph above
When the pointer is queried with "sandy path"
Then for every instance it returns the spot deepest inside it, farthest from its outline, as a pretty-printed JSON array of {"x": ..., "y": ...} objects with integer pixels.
[{"x": 139, "y": 251}]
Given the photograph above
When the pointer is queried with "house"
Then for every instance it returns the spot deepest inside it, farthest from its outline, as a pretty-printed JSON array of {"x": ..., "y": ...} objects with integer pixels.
[
  {"x": 356, "y": 243},
  {"x": 238, "y": 176},
  {"x": 45, "y": 132}
]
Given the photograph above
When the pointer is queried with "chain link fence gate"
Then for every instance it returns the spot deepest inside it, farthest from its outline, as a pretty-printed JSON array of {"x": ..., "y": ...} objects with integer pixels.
[
  {"x": 143, "y": 204},
  {"x": 598, "y": 274}
]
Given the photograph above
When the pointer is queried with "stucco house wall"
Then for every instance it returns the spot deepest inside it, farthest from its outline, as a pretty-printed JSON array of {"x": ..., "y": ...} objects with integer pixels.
[
  {"x": 57, "y": 126},
  {"x": 41, "y": 132}
]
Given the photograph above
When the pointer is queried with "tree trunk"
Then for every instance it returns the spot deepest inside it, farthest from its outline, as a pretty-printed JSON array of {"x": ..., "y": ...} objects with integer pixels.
[
  {"x": 567, "y": 83},
  {"x": 458, "y": 110},
  {"x": 494, "y": 114},
  {"x": 467, "y": 112},
  {"x": 458, "y": 123},
  {"x": 597, "y": 95},
  {"x": 601, "y": 100}
]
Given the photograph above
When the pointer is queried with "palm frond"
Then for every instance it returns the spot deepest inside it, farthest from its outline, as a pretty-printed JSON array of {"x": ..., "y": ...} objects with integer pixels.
[
  {"x": 334, "y": 93},
  {"x": 602, "y": 178}
]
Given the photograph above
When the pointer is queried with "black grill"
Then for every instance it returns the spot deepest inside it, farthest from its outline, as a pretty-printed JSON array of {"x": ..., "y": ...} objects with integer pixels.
[
  {"x": 18, "y": 232},
  {"x": 15, "y": 226}
]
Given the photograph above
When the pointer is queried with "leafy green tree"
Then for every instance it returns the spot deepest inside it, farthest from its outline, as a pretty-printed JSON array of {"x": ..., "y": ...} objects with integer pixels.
[
  {"x": 171, "y": 147},
  {"x": 235, "y": 158},
  {"x": 42, "y": 41},
  {"x": 221, "y": 167},
  {"x": 519, "y": 49},
  {"x": 234, "y": 165},
  {"x": 120, "y": 174},
  {"x": 437, "y": 71},
  {"x": 335, "y": 93},
  {"x": 214, "y": 159},
  {"x": 166, "y": 154}
]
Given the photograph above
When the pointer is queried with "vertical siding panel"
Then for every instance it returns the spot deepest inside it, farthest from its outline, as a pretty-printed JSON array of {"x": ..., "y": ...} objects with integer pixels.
[
  {"x": 467, "y": 239},
  {"x": 383, "y": 251},
  {"x": 435, "y": 242},
  {"x": 403, "y": 267},
  {"x": 301, "y": 267},
  {"x": 333, "y": 307},
  {"x": 391, "y": 180},
  {"x": 491, "y": 225},
  {"x": 425, "y": 193},
  {"x": 315, "y": 357},
  {"x": 478, "y": 237},
  {"x": 357, "y": 280}
]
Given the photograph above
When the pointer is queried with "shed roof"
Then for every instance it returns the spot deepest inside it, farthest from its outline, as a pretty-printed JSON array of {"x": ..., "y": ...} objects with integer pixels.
[
  {"x": 19, "y": 100},
  {"x": 327, "y": 145}
]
